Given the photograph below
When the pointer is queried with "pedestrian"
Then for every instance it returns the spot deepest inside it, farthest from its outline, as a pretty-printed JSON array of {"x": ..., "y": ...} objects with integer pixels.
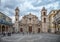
[
  {"x": 23, "y": 33},
  {"x": 3, "y": 33}
]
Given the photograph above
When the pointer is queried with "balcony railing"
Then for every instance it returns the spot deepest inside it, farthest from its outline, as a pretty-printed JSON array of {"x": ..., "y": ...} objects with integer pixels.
[
  {"x": 5, "y": 22},
  {"x": 57, "y": 18}
]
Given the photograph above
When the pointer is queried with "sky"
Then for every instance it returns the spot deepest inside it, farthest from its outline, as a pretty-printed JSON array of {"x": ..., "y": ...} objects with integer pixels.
[{"x": 27, "y": 6}]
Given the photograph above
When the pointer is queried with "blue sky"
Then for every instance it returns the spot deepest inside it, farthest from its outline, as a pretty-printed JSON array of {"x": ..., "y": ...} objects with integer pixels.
[{"x": 27, "y": 6}]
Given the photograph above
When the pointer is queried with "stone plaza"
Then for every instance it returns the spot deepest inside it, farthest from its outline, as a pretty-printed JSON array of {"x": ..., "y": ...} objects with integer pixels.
[
  {"x": 29, "y": 21},
  {"x": 42, "y": 37}
]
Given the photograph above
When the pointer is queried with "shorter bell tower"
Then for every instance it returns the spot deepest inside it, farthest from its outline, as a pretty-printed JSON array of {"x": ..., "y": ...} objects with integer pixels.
[{"x": 44, "y": 19}]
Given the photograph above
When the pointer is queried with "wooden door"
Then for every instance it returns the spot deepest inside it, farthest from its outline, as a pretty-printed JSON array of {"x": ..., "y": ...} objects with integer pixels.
[
  {"x": 38, "y": 30},
  {"x": 30, "y": 29},
  {"x": 21, "y": 29},
  {"x": 3, "y": 29}
]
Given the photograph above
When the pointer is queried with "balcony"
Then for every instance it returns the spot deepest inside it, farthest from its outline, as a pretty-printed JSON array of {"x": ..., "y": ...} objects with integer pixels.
[
  {"x": 5, "y": 22},
  {"x": 57, "y": 18}
]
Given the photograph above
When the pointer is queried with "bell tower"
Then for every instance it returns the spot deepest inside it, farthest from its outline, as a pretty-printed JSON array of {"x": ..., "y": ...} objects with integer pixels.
[
  {"x": 44, "y": 19},
  {"x": 17, "y": 19}
]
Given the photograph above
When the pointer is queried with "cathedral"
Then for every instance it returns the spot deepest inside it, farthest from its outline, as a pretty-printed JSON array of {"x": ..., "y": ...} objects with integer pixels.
[{"x": 31, "y": 24}]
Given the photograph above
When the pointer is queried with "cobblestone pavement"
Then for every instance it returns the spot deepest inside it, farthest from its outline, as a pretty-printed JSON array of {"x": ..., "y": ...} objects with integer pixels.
[{"x": 42, "y": 37}]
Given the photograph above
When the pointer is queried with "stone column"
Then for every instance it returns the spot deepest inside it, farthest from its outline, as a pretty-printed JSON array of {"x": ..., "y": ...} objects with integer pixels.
[
  {"x": 5, "y": 28},
  {"x": 1, "y": 28},
  {"x": 10, "y": 29},
  {"x": 55, "y": 27}
]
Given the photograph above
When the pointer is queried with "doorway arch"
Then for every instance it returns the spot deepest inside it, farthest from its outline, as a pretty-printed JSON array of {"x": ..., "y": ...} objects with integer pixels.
[
  {"x": 0, "y": 28},
  {"x": 49, "y": 30},
  {"x": 3, "y": 28},
  {"x": 21, "y": 29},
  {"x": 30, "y": 29},
  {"x": 38, "y": 30}
]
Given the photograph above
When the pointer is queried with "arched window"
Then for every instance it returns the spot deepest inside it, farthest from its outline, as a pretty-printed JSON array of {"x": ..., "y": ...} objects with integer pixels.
[
  {"x": 16, "y": 13},
  {"x": 29, "y": 18},
  {"x": 44, "y": 20},
  {"x": 16, "y": 19},
  {"x": 44, "y": 13}
]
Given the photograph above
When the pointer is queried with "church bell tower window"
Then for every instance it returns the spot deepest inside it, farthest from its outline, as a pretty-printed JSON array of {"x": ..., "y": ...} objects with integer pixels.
[
  {"x": 29, "y": 18},
  {"x": 44, "y": 20},
  {"x": 16, "y": 19},
  {"x": 44, "y": 13}
]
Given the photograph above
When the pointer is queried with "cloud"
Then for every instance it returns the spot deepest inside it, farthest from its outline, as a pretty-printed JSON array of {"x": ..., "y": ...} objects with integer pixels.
[
  {"x": 52, "y": 6},
  {"x": 44, "y": 2},
  {"x": 27, "y": 6},
  {"x": 11, "y": 3},
  {"x": 13, "y": 18}
]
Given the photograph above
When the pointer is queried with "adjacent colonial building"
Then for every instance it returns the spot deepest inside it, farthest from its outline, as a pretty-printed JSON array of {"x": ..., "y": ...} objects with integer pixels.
[
  {"x": 57, "y": 21},
  {"x": 51, "y": 21},
  {"x": 5, "y": 23}
]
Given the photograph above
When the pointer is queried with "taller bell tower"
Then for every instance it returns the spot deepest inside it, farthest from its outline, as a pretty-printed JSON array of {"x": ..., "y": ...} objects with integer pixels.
[
  {"x": 44, "y": 19},
  {"x": 17, "y": 19}
]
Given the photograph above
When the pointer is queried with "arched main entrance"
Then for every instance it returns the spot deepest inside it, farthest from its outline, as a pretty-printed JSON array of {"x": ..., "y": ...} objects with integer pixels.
[
  {"x": 38, "y": 30},
  {"x": 49, "y": 30},
  {"x": 3, "y": 28},
  {"x": 21, "y": 29},
  {"x": 30, "y": 29}
]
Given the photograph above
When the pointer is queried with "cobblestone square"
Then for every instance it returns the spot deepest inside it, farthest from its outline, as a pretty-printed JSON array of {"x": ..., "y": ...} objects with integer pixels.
[{"x": 42, "y": 37}]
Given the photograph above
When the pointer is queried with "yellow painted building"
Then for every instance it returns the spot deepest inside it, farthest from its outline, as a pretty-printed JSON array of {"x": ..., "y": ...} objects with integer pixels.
[
  {"x": 51, "y": 20},
  {"x": 57, "y": 21}
]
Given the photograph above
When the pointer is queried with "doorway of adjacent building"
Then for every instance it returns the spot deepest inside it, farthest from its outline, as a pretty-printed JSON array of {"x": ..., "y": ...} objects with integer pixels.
[
  {"x": 38, "y": 30},
  {"x": 30, "y": 29},
  {"x": 3, "y": 28},
  {"x": 49, "y": 30},
  {"x": 0, "y": 28},
  {"x": 21, "y": 29}
]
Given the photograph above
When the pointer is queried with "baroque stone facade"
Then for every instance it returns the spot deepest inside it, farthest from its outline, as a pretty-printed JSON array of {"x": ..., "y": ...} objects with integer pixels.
[{"x": 31, "y": 24}]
